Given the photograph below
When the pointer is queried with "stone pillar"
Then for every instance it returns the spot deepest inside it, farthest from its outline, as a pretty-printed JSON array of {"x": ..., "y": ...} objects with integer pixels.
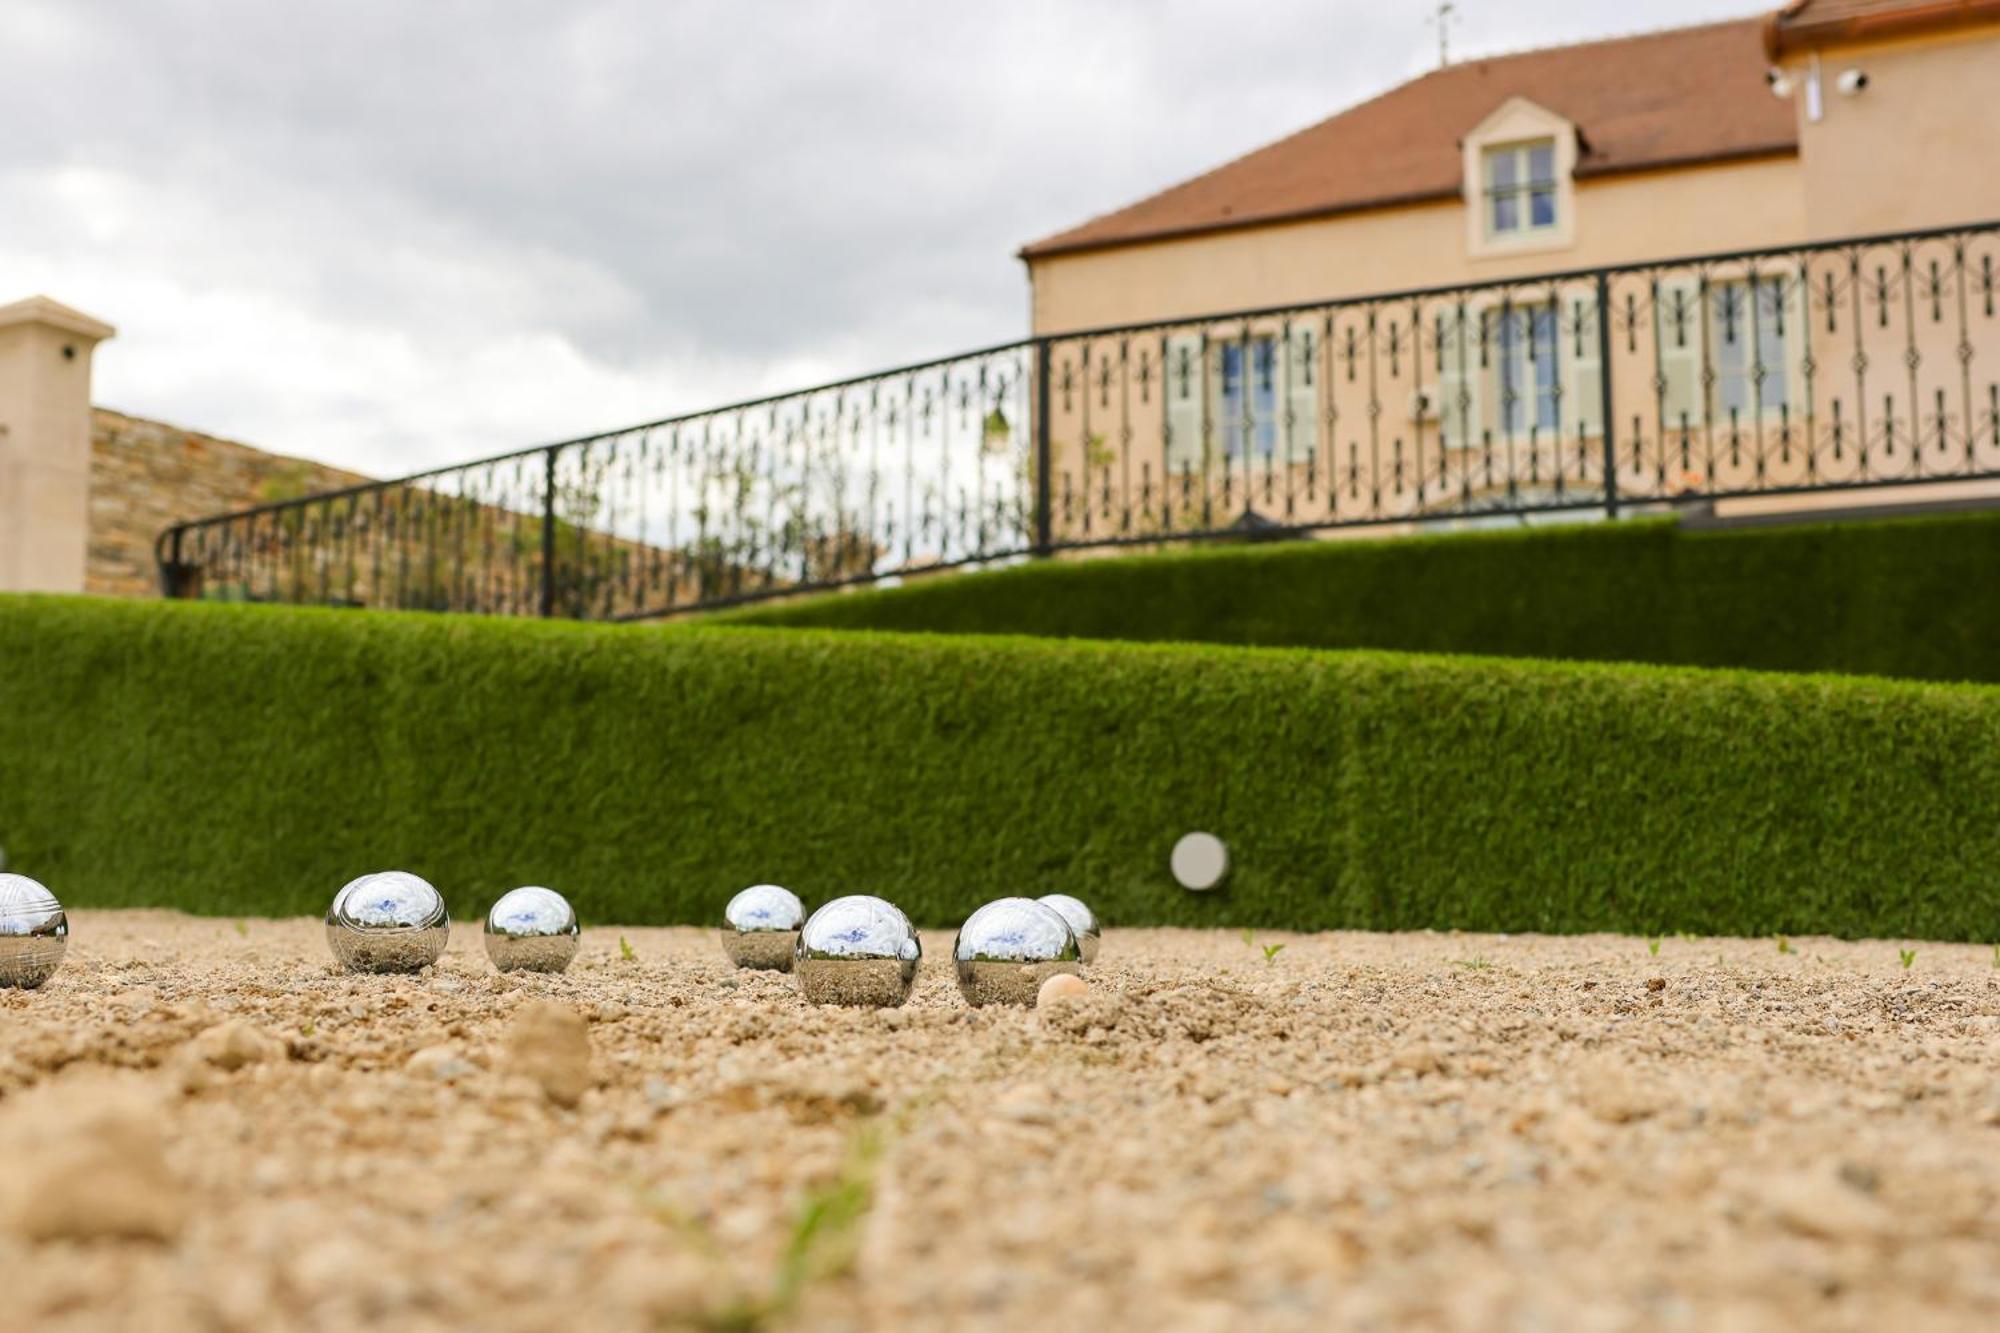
[{"x": 45, "y": 351}]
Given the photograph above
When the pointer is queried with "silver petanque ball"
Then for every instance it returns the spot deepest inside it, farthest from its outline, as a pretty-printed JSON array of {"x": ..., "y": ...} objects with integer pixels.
[
  {"x": 760, "y": 927},
  {"x": 1008, "y": 948},
  {"x": 34, "y": 932},
  {"x": 391, "y": 921},
  {"x": 531, "y": 929},
  {"x": 1082, "y": 922},
  {"x": 857, "y": 950}
]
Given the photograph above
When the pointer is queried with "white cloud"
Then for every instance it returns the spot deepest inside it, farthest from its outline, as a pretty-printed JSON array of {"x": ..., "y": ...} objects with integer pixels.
[{"x": 392, "y": 235}]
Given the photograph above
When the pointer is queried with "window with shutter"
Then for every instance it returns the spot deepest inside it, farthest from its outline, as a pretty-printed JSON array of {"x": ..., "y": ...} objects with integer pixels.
[
  {"x": 1266, "y": 397},
  {"x": 1755, "y": 329},
  {"x": 1524, "y": 368},
  {"x": 1246, "y": 396}
]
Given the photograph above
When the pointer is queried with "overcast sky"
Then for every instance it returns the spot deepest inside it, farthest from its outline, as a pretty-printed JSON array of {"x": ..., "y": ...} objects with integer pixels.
[{"x": 392, "y": 233}]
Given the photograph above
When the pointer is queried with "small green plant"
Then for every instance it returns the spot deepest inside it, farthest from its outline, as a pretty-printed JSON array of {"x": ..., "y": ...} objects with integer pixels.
[
  {"x": 1473, "y": 964},
  {"x": 1996, "y": 955},
  {"x": 1784, "y": 944},
  {"x": 1653, "y": 946},
  {"x": 1909, "y": 957},
  {"x": 308, "y": 1029},
  {"x": 1271, "y": 952},
  {"x": 242, "y": 929},
  {"x": 824, "y": 1241},
  {"x": 625, "y": 950},
  {"x": 1249, "y": 937},
  {"x": 827, "y": 1233}
]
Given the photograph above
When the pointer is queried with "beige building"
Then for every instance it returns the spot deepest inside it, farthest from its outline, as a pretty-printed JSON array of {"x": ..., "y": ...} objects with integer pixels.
[{"x": 1440, "y": 334}]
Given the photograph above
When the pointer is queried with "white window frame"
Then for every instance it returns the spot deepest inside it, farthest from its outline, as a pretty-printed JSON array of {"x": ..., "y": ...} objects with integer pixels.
[{"x": 1520, "y": 155}]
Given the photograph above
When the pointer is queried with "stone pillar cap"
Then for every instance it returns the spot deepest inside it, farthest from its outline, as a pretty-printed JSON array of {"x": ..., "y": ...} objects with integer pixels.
[{"x": 43, "y": 310}]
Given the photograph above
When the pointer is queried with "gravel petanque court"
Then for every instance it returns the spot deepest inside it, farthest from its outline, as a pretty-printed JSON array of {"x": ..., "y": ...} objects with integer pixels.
[{"x": 208, "y": 1126}]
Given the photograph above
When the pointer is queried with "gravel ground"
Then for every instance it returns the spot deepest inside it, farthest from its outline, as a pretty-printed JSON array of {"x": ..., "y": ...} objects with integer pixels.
[{"x": 206, "y": 1126}]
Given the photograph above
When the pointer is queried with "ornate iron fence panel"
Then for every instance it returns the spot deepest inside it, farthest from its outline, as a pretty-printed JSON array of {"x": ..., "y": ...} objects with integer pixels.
[
  {"x": 1867, "y": 363},
  {"x": 912, "y": 470}
]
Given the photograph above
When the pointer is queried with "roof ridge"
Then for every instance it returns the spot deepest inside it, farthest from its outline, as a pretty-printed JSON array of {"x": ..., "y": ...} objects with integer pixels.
[{"x": 1637, "y": 34}]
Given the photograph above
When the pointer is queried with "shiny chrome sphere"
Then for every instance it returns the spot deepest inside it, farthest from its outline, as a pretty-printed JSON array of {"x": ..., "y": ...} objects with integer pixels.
[
  {"x": 857, "y": 950},
  {"x": 1082, "y": 922},
  {"x": 1008, "y": 948},
  {"x": 391, "y": 921},
  {"x": 760, "y": 927},
  {"x": 531, "y": 929},
  {"x": 34, "y": 932}
]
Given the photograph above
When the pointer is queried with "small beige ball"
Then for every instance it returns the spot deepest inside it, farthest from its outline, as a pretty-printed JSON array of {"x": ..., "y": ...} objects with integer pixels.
[{"x": 1062, "y": 986}]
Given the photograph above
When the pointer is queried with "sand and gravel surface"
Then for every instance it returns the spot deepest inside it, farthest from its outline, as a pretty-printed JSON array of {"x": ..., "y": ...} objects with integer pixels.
[{"x": 206, "y": 1126}]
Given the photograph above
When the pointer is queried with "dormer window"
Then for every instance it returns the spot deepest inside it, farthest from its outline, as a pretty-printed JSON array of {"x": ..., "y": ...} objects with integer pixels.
[
  {"x": 1520, "y": 188},
  {"x": 1519, "y": 181}
]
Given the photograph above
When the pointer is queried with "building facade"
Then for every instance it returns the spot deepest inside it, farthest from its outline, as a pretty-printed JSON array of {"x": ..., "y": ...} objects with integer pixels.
[{"x": 1619, "y": 268}]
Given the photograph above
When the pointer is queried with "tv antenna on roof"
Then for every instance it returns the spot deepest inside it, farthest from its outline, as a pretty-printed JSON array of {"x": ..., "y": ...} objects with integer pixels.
[{"x": 1443, "y": 17}]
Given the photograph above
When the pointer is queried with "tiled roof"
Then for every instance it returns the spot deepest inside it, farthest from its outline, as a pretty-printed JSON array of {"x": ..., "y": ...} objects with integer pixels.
[
  {"x": 1809, "y": 23},
  {"x": 1658, "y": 99}
]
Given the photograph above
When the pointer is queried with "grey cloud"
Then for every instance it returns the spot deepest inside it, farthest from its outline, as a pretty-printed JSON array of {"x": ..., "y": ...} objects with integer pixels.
[{"x": 691, "y": 196}]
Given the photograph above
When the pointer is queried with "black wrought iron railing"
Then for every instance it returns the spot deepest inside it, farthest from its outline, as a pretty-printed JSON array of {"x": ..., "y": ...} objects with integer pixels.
[{"x": 1863, "y": 363}]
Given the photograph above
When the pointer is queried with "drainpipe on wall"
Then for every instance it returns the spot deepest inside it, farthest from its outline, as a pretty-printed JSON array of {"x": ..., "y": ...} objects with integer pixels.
[{"x": 45, "y": 352}]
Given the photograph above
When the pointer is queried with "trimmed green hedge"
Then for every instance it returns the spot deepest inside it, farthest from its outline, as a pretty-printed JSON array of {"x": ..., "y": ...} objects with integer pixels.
[
  {"x": 230, "y": 759},
  {"x": 1909, "y": 597}
]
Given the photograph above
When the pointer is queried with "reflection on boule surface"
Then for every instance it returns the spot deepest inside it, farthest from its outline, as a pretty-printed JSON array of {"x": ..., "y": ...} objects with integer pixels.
[
  {"x": 1082, "y": 922},
  {"x": 857, "y": 950},
  {"x": 760, "y": 927},
  {"x": 531, "y": 929},
  {"x": 34, "y": 932},
  {"x": 1008, "y": 948},
  {"x": 391, "y": 921}
]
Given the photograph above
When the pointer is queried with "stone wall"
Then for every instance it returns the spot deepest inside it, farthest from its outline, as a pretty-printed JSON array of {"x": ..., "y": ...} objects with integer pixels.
[{"x": 146, "y": 475}]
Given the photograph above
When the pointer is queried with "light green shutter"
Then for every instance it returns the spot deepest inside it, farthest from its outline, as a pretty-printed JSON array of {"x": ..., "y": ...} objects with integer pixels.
[
  {"x": 1458, "y": 397},
  {"x": 1187, "y": 394},
  {"x": 1298, "y": 428},
  {"x": 1798, "y": 344},
  {"x": 1680, "y": 320},
  {"x": 1582, "y": 367}
]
